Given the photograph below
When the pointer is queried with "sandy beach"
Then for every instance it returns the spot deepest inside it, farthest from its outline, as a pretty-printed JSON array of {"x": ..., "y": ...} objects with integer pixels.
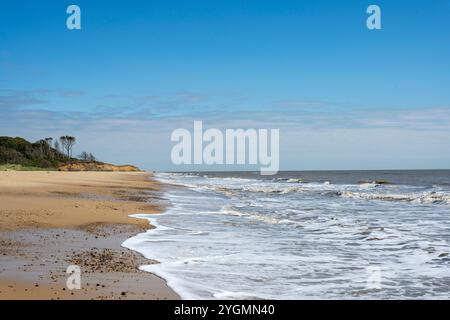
[{"x": 50, "y": 220}]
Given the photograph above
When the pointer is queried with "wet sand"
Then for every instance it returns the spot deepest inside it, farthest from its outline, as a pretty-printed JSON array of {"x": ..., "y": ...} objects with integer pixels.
[{"x": 49, "y": 221}]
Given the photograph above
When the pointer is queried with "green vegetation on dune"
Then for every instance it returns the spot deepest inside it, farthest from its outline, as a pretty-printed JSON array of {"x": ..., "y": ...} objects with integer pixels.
[
  {"x": 40, "y": 154},
  {"x": 19, "y": 154}
]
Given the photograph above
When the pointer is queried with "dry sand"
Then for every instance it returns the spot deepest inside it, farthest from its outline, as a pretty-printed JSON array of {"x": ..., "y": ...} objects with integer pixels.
[{"x": 50, "y": 220}]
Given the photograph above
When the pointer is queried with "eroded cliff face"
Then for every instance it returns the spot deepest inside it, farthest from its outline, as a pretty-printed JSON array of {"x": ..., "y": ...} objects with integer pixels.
[{"x": 97, "y": 166}]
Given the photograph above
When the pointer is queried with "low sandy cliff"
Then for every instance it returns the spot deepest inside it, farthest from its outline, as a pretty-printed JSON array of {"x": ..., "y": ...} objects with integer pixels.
[{"x": 97, "y": 166}]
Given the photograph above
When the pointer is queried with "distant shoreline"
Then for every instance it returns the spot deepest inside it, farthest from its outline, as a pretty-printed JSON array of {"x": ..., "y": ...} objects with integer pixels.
[{"x": 50, "y": 220}]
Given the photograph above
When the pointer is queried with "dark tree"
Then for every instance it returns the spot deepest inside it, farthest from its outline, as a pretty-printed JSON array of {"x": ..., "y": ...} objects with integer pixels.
[
  {"x": 67, "y": 143},
  {"x": 72, "y": 142},
  {"x": 83, "y": 156},
  {"x": 86, "y": 156}
]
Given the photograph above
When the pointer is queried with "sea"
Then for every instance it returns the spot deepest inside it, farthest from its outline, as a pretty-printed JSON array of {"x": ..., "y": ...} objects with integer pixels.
[{"x": 302, "y": 235}]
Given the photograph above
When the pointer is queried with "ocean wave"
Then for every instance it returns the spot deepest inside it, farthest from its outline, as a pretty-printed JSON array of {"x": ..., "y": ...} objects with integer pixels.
[
  {"x": 230, "y": 210},
  {"x": 274, "y": 189},
  {"x": 292, "y": 180},
  {"x": 426, "y": 197},
  {"x": 231, "y": 238},
  {"x": 365, "y": 190},
  {"x": 232, "y": 190}
]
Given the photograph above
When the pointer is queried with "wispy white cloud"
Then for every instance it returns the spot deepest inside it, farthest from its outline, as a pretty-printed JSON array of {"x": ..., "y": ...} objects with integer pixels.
[
  {"x": 145, "y": 122},
  {"x": 13, "y": 99}
]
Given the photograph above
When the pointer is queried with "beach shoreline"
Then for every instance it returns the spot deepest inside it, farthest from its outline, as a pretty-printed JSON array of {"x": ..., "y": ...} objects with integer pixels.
[
  {"x": 244, "y": 236},
  {"x": 50, "y": 220}
]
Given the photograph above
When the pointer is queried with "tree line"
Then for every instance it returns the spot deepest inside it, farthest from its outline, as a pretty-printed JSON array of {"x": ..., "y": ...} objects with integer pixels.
[{"x": 47, "y": 152}]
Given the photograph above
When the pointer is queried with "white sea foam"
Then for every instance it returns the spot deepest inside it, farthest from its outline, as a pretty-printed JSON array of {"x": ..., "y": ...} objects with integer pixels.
[
  {"x": 425, "y": 197},
  {"x": 233, "y": 238}
]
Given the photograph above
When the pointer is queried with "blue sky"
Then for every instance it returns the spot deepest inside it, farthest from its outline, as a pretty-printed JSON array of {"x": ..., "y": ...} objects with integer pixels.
[{"x": 343, "y": 97}]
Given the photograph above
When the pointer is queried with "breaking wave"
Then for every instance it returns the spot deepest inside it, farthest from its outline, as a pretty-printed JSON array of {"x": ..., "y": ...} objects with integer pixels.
[{"x": 233, "y": 237}]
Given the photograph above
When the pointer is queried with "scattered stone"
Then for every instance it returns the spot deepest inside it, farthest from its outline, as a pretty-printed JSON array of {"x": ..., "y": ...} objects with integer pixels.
[{"x": 105, "y": 260}]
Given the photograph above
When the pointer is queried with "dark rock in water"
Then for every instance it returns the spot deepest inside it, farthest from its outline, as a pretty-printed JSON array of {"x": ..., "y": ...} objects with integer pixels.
[
  {"x": 374, "y": 182},
  {"x": 443, "y": 255},
  {"x": 382, "y": 182},
  {"x": 374, "y": 239}
]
